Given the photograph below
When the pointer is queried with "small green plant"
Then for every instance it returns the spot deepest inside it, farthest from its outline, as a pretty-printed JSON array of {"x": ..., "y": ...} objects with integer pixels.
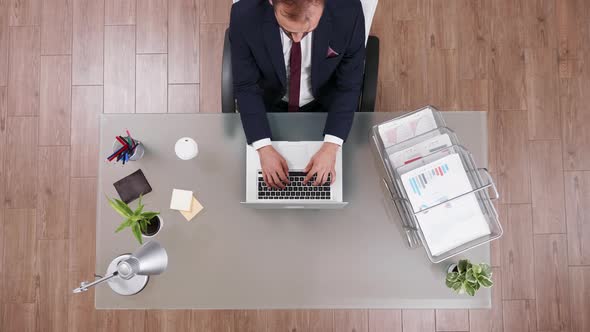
[
  {"x": 469, "y": 277},
  {"x": 136, "y": 219}
]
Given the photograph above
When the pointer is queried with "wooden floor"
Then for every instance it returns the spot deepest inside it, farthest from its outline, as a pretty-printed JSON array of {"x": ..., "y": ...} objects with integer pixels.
[{"x": 63, "y": 62}]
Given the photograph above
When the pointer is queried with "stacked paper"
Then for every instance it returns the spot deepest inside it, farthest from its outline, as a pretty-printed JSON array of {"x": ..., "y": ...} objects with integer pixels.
[{"x": 434, "y": 179}]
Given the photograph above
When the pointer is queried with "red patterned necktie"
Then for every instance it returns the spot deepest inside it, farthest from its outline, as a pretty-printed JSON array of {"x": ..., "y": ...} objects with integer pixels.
[{"x": 294, "y": 76}]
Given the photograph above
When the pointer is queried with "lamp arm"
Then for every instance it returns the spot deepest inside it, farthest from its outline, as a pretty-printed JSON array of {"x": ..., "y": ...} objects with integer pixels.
[{"x": 84, "y": 285}]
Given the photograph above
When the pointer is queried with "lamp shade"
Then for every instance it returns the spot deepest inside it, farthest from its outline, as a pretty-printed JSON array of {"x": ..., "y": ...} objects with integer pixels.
[{"x": 149, "y": 259}]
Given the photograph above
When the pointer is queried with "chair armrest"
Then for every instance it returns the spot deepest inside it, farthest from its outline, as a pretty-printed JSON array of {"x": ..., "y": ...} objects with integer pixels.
[
  {"x": 369, "y": 92},
  {"x": 228, "y": 104}
]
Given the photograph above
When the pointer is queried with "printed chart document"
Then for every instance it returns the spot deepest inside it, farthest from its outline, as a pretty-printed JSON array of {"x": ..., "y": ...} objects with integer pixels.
[
  {"x": 402, "y": 129},
  {"x": 453, "y": 223},
  {"x": 420, "y": 150}
]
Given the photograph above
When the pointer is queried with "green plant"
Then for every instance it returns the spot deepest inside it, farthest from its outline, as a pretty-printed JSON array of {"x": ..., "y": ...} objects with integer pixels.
[
  {"x": 136, "y": 219},
  {"x": 469, "y": 277}
]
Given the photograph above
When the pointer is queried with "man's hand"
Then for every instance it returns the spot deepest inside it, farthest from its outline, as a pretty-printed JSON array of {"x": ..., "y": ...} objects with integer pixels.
[
  {"x": 323, "y": 164},
  {"x": 274, "y": 167}
]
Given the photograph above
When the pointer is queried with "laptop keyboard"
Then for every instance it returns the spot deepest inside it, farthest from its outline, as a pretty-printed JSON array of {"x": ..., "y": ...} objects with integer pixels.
[{"x": 296, "y": 189}]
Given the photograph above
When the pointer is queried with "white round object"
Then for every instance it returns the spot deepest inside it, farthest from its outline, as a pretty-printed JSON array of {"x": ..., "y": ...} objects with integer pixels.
[{"x": 186, "y": 148}]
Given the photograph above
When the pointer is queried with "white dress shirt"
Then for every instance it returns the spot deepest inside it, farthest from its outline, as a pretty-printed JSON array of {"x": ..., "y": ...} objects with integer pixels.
[{"x": 305, "y": 95}]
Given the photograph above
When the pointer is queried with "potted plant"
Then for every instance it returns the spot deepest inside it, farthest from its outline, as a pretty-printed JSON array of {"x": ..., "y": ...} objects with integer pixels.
[
  {"x": 146, "y": 224},
  {"x": 466, "y": 277}
]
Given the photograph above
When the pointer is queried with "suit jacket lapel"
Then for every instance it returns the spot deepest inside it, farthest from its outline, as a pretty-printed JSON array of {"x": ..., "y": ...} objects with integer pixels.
[
  {"x": 320, "y": 44},
  {"x": 272, "y": 39}
]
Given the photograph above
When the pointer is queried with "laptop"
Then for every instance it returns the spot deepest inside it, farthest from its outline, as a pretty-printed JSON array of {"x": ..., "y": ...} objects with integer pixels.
[{"x": 296, "y": 195}]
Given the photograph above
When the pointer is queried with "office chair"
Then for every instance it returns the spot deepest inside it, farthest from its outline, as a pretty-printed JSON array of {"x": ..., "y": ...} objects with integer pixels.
[{"x": 369, "y": 89}]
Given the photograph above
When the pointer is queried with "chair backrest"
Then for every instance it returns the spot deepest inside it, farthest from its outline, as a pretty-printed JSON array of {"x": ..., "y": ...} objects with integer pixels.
[{"x": 369, "y": 8}]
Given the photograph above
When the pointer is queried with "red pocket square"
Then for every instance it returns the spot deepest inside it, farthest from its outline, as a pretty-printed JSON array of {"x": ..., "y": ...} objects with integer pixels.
[{"x": 331, "y": 53}]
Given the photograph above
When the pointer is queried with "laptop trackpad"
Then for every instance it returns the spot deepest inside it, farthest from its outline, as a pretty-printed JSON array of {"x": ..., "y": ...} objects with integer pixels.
[{"x": 297, "y": 156}]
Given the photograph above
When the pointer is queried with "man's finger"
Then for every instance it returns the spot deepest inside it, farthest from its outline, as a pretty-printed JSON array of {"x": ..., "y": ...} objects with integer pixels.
[
  {"x": 270, "y": 180},
  {"x": 333, "y": 176},
  {"x": 309, "y": 175},
  {"x": 283, "y": 176},
  {"x": 277, "y": 180},
  {"x": 265, "y": 177},
  {"x": 320, "y": 178},
  {"x": 286, "y": 170},
  {"x": 309, "y": 166}
]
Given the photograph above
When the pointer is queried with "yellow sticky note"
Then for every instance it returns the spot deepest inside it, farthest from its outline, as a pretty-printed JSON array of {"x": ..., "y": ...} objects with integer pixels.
[{"x": 196, "y": 207}]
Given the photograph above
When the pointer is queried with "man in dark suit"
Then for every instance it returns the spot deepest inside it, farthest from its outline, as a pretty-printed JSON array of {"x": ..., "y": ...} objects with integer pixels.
[{"x": 297, "y": 55}]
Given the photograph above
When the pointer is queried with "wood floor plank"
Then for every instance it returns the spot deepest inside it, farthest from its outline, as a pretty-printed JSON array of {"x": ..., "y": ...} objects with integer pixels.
[
  {"x": 19, "y": 317},
  {"x": 20, "y": 253},
  {"x": 54, "y": 192},
  {"x": 406, "y": 10},
  {"x": 506, "y": 33},
  {"x": 512, "y": 157},
  {"x": 3, "y": 142},
  {"x": 25, "y": 12},
  {"x": 21, "y": 162},
  {"x": 119, "y": 69},
  {"x": 577, "y": 200},
  {"x": 183, "y": 98},
  {"x": 183, "y": 41},
  {"x": 573, "y": 28},
  {"x": 169, "y": 321},
  {"x": 496, "y": 246},
  {"x": 152, "y": 26},
  {"x": 540, "y": 23},
  {"x": 287, "y": 320},
  {"x": 574, "y": 99},
  {"x": 489, "y": 320},
  {"x": 23, "y": 78},
  {"x": 452, "y": 320},
  {"x": 474, "y": 95},
  {"x": 383, "y": 14},
  {"x": 152, "y": 86},
  {"x": 55, "y": 100},
  {"x": 356, "y": 320},
  {"x": 56, "y": 27},
  {"x": 88, "y": 42},
  {"x": 444, "y": 24},
  {"x": 519, "y": 316},
  {"x": 212, "y": 36},
  {"x": 507, "y": 73},
  {"x": 547, "y": 187},
  {"x": 321, "y": 320},
  {"x": 120, "y": 320},
  {"x": 474, "y": 40},
  {"x": 580, "y": 297},
  {"x": 542, "y": 99},
  {"x": 215, "y": 11},
  {"x": 119, "y": 12},
  {"x": 4, "y": 42},
  {"x": 518, "y": 270},
  {"x": 384, "y": 320},
  {"x": 443, "y": 78},
  {"x": 418, "y": 320},
  {"x": 87, "y": 104},
  {"x": 249, "y": 320},
  {"x": 552, "y": 284},
  {"x": 212, "y": 320},
  {"x": 53, "y": 291},
  {"x": 82, "y": 255}
]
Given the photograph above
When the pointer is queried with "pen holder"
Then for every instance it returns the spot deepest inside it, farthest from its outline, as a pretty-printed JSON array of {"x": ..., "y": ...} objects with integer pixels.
[{"x": 138, "y": 151}]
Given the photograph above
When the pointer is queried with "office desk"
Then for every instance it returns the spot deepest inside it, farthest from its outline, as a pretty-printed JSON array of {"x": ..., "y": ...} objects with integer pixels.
[{"x": 231, "y": 256}]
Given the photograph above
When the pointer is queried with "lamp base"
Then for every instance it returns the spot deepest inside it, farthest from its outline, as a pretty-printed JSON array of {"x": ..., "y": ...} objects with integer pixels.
[{"x": 122, "y": 286}]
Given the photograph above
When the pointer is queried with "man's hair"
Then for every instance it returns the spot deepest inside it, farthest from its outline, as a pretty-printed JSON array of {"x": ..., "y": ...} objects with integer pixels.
[{"x": 296, "y": 10}]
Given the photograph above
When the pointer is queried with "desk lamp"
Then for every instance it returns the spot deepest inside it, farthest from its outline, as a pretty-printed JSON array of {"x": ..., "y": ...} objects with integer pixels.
[{"x": 128, "y": 274}]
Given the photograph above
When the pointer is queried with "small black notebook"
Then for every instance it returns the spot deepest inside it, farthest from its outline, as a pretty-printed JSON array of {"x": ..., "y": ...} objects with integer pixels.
[{"x": 132, "y": 186}]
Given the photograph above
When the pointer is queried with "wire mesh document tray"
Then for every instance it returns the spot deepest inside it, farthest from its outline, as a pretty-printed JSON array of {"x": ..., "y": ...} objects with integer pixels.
[{"x": 444, "y": 200}]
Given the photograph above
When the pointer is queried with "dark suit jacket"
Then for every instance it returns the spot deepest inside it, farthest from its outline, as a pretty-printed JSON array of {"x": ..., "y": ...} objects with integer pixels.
[{"x": 259, "y": 72}]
